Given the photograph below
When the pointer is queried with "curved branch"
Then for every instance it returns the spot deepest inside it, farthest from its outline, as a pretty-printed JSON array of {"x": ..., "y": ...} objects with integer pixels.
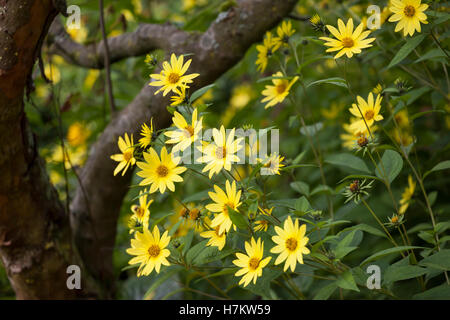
[
  {"x": 215, "y": 51},
  {"x": 145, "y": 38}
]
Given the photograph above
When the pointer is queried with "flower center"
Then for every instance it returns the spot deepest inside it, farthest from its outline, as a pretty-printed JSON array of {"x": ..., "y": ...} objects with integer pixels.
[
  {"x": 173, "y": 78},
  {"x": 162, "y": 171},
  {"x": 221, "y": 152},
  {"x": 228, "y": 205},
  {"x": 354, "y": 186},
  {"x": 348, "y": 42},
  {"x": 188, "y": 131},
  {"x": 369, "y": 114},
  {"x": 127, "y": 155},
  {"x": 194, "y": 214},
  {"x": 140, "y": 212},
  {"x": 409, "y": 11},
  {"x": 394, "y": 219},
  {"x": 291, "y": 244},
  {"x": 154, "y": 251},
  {"x": 253, "y": 263},
  {"x": 281, "y": 88}
]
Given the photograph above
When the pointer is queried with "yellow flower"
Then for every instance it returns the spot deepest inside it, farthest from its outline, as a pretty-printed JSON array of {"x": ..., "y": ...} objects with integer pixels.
[
  {"x": 262, "y": 225},
  {"x": 185, "y": 134},
  {"x": 409, "y": 14},
  {"x": 284, "y": 32},
  {"x": 147, "y": 135},
  {"x": 221, "y": 153},
  {"x": 265, "y": 51},
  {"x": 402, "y": 119},
  {"x": 333, "y": 112},
  {"x": 224, "y": 201},
  {"x": 180, "y": 97},
  {"x": 279, "y": 91},
  {"x": 90, "y": 79},
  {"x": 52, "y": 73},
  {"x": 350, "y": 138},
  {"x": 347, "y": 41},
  {"x": 126, "y": 158},
  {"x": 216, "y": 238},
  {"x": 315, "y": 19},
  {"x": 172, "y": 76},
  {"x": 407, "y": 195},
  {"x": 378, "y": 89},
  {"x": 160, "y": 173},
  {"x": 252, "y": 263},
  {"x": 141, "y": 211},
  {"x": 150, "y": 252},
  {"x": 291, "y": 244},
  {"x": 370, "y": 110},
  {"x": 77, "y": 134},
  {"x": 79, "y": 34},
  {"x": 272, "y": 164}
]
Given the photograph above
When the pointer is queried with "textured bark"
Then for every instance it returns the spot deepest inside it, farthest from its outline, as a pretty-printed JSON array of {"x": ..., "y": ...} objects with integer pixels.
[
  {"x": 215, "y": 52},
  {"x": 34, "y": 229}
]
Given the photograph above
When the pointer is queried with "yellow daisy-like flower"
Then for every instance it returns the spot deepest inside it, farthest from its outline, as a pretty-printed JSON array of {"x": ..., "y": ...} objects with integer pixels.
[
  {"x": 370, "y": 110},
  {"x": 220, "y": 154},
  {"x": 263, "y": 225},
  {"x": 291, "y": 244},
  {"x": 284, "y": 32},
  {"x": 126, "y": 158},
  {"x": 184, "y": 134},
  {"x": 252, "y": 263},
  {"x": 172, "y": 76},
  {"x": 347, "y": 41},
  {"x": 141, "y": 211},
  {"x": 265, "y": 51},
  {"x": 180, "y": 97},
  {"x": 272, "y": 164},
  {"x": 147, "y": 135},
  {"x": 216, "y": 238},
  {"x": 409, "y": 14},
  {"x": 279, "y": 91},
  {"x": 407, "y": 195},
  {"x": 77, "y": 134},
  {"x": 160, "y": 173},
  {"x": 150, "y": 252},
  {"x": 224, "y": 201},
  {"x": 350, "y": 138}
]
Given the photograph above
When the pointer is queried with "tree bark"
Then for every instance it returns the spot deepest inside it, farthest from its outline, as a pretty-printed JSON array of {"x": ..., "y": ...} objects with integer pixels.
[{"x": 35, "y": 237}]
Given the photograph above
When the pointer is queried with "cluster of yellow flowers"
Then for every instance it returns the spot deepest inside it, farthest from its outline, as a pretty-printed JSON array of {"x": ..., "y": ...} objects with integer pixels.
[{"x": 160, "y": 172}]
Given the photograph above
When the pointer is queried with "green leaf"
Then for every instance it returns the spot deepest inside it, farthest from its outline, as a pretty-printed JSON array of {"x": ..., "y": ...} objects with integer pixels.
[
  {"x": 431, "y": 55},
  {"x": 325, "y": 292},
  {"x": 238, "y": 218},
  {"x": 390, "y": 166},
  {"x": 407, "y": 48},
  {"x": 194, "y": 251},
  {"x": 198, "y": 93},
  {"x": 398, "y": 273},
  {"x": 346, "y": 281},
  {"x": 386, "y": 252},
  {"x": 439, "y": 260},
  {"x": 441, "y": 292},
  {"x": 348, "y": 160},
  {"x": 262, "y": 286},
  {"x": 301, "y": 187},
  {"x": 302, "y": 205},
  {"x": 444, "y": 165},
  {"x": 368, "y": 229},
  {"x": 161, "y": 279},
  {"x": 210, "y": 254},
  {"x": 335, "y": 81}
]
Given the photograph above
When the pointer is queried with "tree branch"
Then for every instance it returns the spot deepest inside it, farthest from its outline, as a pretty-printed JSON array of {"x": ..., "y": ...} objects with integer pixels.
[{"x": 145, "y": 38}]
